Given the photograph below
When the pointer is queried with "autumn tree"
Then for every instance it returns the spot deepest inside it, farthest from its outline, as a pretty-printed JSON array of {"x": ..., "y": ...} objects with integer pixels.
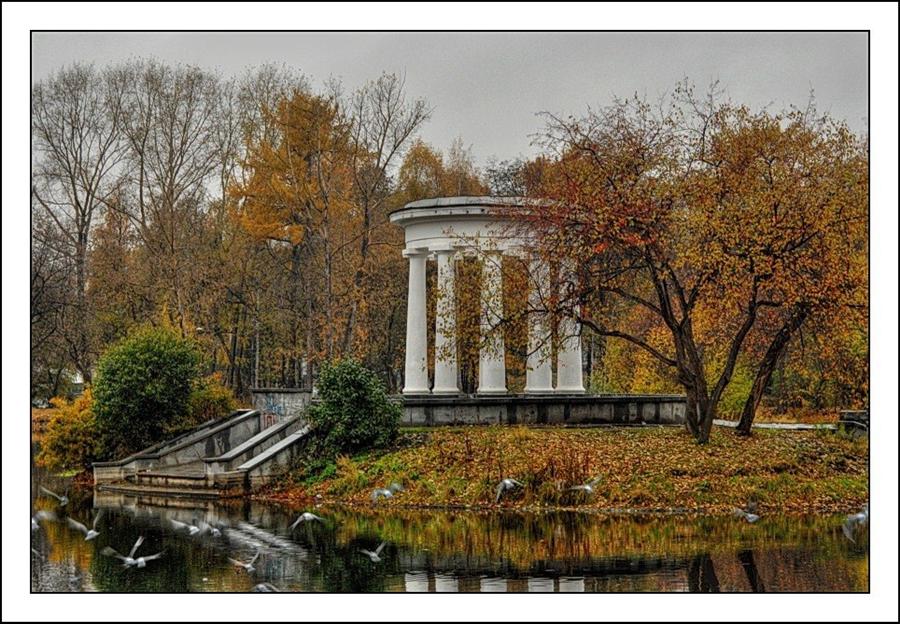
[{"x": 699, "y": 209}]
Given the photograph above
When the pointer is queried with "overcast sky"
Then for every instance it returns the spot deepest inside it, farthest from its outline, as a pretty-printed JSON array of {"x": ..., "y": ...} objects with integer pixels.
[{"x": 489, "y": 87}]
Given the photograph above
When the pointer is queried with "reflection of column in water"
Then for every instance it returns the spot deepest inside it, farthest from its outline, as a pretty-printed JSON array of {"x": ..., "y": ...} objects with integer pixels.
[
  {"x": 540, "y": 584},
  {"x": 492, "y": 584},
  {"x": 445, "y": 583},
  {"x": 571, "y": 584},
  {"x": 416, "y": 582}
]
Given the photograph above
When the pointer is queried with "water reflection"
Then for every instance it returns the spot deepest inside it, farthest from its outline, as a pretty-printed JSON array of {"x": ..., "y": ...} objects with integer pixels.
[{"x": 439, "y": 551}]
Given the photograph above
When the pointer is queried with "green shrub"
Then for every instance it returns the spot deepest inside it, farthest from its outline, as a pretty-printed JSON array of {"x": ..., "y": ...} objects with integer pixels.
[
  {"x": 71, "y": 439},
  {"x": 143, "y": 386},
  {"x": 354, "y": 413},
  {"x": 209, "y": 399}
]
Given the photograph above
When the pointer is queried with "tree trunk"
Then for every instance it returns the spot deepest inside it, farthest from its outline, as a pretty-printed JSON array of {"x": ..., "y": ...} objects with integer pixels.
[
  {"x": 702, "y": 575},
  {"x": 82, "y": 359},
  {"x": 700, "y": 411},
  {"x": 691, "y": 415},
  {"x": 767, "y": 367},
  {"x": 750, "y": 569},
  {"x": 708, "y": 410}
]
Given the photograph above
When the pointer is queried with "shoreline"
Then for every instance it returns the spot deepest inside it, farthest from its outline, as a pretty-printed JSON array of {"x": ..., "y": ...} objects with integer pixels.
[{"x": 532, "y": 509}]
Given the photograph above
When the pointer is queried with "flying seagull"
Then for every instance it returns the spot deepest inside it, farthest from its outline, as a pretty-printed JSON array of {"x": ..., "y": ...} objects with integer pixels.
[
  {"x": 852, "y": 520},
  {"x": 505, "y": 486},
  {"x": 182, "y": 526},
  {"x": 375, "y": 556},
  {"x": 40, "y": 517},
  {"x": 63, "y": 500},
  {"x": 89, "y": 534},
  {"x": 306, "y": 517},
  {"x": 265, "y": 588},
  {"x": 587, "y": 488},
  {"x": 248, "y": 565},
  {"x": 208, "y": 528},
  {"x": 130, "y": 561}
]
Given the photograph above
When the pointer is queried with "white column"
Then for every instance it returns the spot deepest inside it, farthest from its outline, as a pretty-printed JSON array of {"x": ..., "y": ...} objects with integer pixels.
[
  {"x": 491, "y": 362},
  {"x": 416, "y": 372},
  {"x": 539, "y": 364},
  {"x": 568, "y": 358},
  {"x": 445, "y": 366},
  {"x": 445, "y": 583}
]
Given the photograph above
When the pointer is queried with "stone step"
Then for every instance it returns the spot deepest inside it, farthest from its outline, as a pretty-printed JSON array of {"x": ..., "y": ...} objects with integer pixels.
[
  {"x": 168, "y": 491},
  {"x": 273, "y": 451},
  {"x": 188, "y": 447},
  {"x": 253, "y": 446},
  {"x": 275, "y": 459}
]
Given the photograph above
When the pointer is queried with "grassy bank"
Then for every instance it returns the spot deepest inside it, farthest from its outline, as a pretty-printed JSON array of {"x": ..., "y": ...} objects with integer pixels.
[{"x": 639, "y": 469}]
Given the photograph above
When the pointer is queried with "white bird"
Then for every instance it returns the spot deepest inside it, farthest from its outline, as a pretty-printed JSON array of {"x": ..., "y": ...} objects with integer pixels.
[
  {"x": 63, "y": 500},
  {"x": 387, "y": 492},
  {"x": 40, "y": 517},
  {"x": 375, "y": 556},
  {"x": 852, "y": 520},
  {"x": 130, "y": 560},
  {"x": 182, "y": 526},
  {"x": 89, "y": 534},
  {"x": 208, "y": 528},
  {"x": 306, "y": 517},
  {"x": 746, "y": 515},
  {"x": 504, "y": 486},
  {"x": 381, "y": 493},
  {"x": 587, "y": 487},
  {"x": 248, "y": 565},
  {"x": 265, "y": 588}
]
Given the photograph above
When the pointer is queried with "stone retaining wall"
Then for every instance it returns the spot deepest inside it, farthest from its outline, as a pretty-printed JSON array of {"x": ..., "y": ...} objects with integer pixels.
[
  {"x": 278, "y": 404},
  {"x": 550, "y": 409}
]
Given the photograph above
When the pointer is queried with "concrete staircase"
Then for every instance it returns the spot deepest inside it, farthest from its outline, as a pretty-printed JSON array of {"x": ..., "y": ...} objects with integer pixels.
[{"x": 224, "y": 457}]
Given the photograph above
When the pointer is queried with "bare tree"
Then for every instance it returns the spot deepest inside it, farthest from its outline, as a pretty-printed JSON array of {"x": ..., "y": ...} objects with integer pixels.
[
  {"x": 174, "y": 155},
  {"x": 51, "y": 297},
  {"x": 383, "y": 122},
  {"x": 76, "y": 120}
]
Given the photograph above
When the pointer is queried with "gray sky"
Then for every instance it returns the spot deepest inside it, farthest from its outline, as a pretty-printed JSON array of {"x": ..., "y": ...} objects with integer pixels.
[{"x": 488, "y": 87}]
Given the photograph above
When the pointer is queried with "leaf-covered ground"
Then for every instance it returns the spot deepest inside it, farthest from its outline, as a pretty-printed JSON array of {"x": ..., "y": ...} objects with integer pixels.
[{"x": 638, "y": 469}]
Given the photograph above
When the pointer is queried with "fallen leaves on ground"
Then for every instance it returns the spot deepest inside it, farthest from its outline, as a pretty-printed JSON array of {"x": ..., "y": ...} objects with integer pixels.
[{"x": 638, "y": 469}]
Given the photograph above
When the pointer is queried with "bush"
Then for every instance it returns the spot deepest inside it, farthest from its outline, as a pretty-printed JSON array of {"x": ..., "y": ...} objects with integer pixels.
[
  {"x": 209, "y": 399},
  {"x": 71, "y": 439},
  {"x": 354, "y": 413},
  {"x": 143, "y": 386}
]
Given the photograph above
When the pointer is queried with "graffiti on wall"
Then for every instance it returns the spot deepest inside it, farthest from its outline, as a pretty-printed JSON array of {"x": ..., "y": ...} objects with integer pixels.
[
  {"x": 276, "y": 406},
  {"x": 272, "y": 411}
]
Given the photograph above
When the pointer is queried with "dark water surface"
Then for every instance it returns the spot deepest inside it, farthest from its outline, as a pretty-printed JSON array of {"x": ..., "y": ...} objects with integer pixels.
[{"x": 443, "y": 551}]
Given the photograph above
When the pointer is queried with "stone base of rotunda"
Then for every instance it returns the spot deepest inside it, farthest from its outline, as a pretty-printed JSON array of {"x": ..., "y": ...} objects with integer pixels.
[{"x": 550, "y": 409}]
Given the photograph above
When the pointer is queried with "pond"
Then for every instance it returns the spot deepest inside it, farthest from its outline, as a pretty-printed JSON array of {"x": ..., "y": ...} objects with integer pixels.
[{"x": 435, "y": 551}]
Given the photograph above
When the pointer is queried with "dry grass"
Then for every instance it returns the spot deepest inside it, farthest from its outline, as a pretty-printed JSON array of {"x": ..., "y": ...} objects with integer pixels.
[{"x": 639, "y": 468}]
